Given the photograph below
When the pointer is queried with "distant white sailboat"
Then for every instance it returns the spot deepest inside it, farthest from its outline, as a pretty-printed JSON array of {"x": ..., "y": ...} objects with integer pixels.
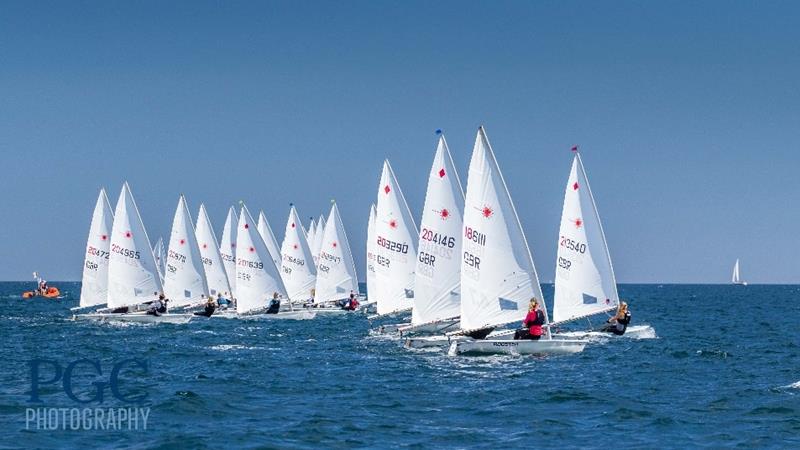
[
  {"x": 216, "y": 276},
  {"x": 736, "y": 277},
  {"x": 185, "y": 282},
  {"x": 227, "y": 249},
  {"x": 395, "y": 247},
  {"x": 336, "y": 272},
  {"x": 498, "y": 277},
  {"x": 437, "y": 284},
  {"x": 94, "y": 285},
  {"x": 269, "y": 238},
  {"x": 297, "y": 268}
]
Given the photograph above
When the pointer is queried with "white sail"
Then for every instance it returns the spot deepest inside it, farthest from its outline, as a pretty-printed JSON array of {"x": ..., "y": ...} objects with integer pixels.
[
  {"x": 185, "y": 277},
  {"x": 212, "y": 260},
  {"x": 269, "y": 238},
  {"x": 132, "y": 273},
  {"x": 311, "y": 236},
  {"x": 336, "y": 273},
  {"x": 227, "y": 249},
  {"x": 585, "y": 283},
  {"x": 498, "y": 277},
  {"x": 94, "y": 284},
  {"x": 395, "y": 247},
  {"x": 297, "y": 267},
  {"x": 257, "y": 278},
  {"x": 736, "y": 277},
  {"x": 316, "y": 244},
  {"x": 371, "y": 256},
  {"x": 160, "y": 252},
  {"x": 438, "y": 273}
]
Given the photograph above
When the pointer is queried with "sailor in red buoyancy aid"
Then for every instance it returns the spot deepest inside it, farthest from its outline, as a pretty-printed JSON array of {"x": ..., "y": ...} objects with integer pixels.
[{"x": 533, "y": 323}]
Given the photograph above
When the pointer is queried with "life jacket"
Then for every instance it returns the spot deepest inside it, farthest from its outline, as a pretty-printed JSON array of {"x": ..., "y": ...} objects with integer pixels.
[{"x": 535, "y": 325}]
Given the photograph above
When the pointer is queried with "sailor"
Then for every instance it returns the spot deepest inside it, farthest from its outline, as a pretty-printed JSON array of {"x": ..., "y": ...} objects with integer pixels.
[
  {"x": 211, "y": 306},
  {"x": 619, "y": 322},
  {"x": 222, "y": 301},
  {"x": 533, "y": 323},
  {"x": 156, "y": 307},
  {"x": 352, "y": 303},
  {"x": 274, "y": 304}
]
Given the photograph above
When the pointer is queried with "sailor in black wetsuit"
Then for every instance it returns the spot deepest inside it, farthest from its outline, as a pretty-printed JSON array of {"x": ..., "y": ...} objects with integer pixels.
[
  {"x": 211, "y": 306},
  {"x": 619, "y": 323},
  {"x": 274, "y": 304}
]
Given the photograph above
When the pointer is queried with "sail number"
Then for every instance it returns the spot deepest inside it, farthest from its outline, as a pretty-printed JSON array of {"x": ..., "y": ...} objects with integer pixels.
[
  {"x": 564, "y": 263},
  {"x": 207, "y": 261},
  {"x": 229, "y": 258},
  {"x": 177, "y": 256},
  {"x": 124, "y": 251},
  {"x": 392, "y": 245},
  {"x": 430, "y": 235},
  {"x": 97, "y": 252},
  {"x": 474, "y": 235},
  {"x": 258, "y": 265},
  {"x": 573, "y": 245}
]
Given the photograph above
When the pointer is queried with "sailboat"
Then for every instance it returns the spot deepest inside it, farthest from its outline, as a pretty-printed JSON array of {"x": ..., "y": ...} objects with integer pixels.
[
  {"x": 310, "y": 236},
  {"x": 395, "y": 247},
  {"x": 133, "y": 277},
  {"x": 269, "y": 238},
  {"x": 257, "y": 276},
  {"x": 736, "y": 278},
  {"x": 498, "y": 277},
  {"x": 297, "y": 268},
  {"x": 94, "y": 284},
  {"x": 216, "y": 276},
  {"x": 585, "y": 283},
  {"x": 160, "y": 252},
  {"x": 437, "y": 296},
  {"x": 227, "y": 249},
  {"x": 336, "y": 272},
  {"x": 316, "y": 244},
  {"x": 371, "y": 257},
  {"x": 185, "y": 282}
]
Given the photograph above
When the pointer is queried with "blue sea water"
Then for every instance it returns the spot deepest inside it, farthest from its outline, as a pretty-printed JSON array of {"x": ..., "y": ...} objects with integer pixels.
[{"x": 722, "y": 372}]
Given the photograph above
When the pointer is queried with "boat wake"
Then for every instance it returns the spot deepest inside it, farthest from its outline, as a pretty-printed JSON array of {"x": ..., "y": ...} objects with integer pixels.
[{"x": 795, "y": 385}]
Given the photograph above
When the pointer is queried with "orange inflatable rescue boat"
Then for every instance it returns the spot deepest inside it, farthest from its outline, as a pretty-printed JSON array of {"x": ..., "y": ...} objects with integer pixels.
[{"x": 51, "y": 292}]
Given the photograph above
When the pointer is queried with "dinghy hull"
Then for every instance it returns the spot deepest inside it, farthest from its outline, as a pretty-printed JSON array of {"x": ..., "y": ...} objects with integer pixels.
[
  {"x": 522, "y": 347},
  {"x": 176, "y": 319},
  {"x": 440, "y": 326}
]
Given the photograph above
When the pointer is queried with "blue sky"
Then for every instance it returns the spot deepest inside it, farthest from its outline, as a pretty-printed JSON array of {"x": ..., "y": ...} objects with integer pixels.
[{"x": 686, "y": 113}]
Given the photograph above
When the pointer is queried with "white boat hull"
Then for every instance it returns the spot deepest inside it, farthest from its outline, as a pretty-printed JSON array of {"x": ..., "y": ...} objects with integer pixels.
[
  {"x": 633, "y": 332},
  {"x": 521, "y": 347},
  {"x": 287, "y": 315},
  {"x": 431, "y": 327},
  {"x": 136, "y": 317}
]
